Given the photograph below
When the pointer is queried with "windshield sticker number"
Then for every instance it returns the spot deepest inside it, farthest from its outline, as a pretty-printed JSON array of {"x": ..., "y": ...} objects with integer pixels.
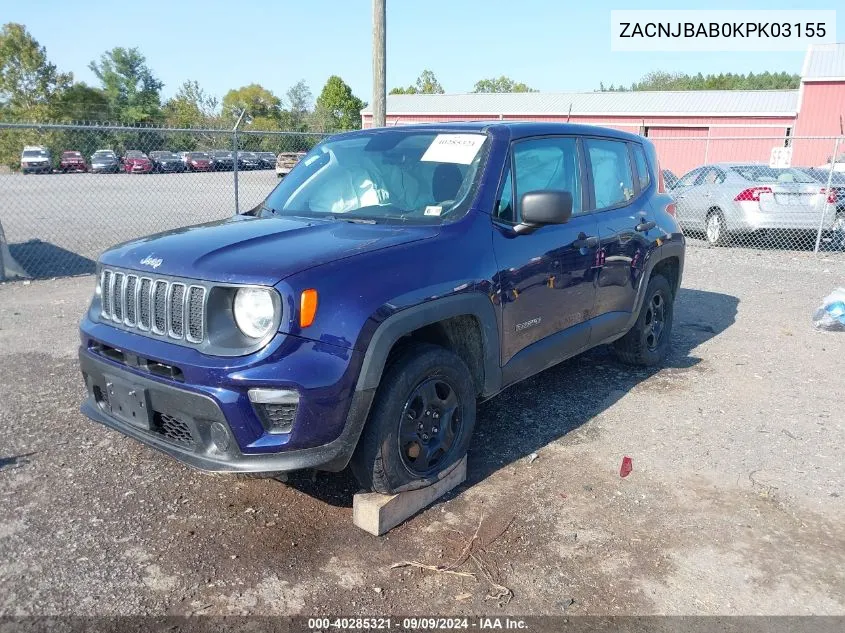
[
  {"x": 432, "y": 210},
  {"x": 453, "y": 148}
]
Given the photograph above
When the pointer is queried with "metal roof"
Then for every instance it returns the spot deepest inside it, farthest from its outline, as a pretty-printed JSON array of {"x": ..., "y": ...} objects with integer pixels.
[
  {"x": 665, "y": 103},
  {"x": 824, "y": 61}
]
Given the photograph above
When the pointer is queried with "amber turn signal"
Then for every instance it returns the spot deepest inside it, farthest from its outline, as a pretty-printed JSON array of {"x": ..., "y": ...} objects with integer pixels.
[{"x": 307, "y": 307}]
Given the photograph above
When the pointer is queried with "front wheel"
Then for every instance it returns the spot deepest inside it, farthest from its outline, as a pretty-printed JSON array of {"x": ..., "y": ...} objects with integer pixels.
[
  {"x": 647, "y": 343},
  {"x": 421, "y": 422}
]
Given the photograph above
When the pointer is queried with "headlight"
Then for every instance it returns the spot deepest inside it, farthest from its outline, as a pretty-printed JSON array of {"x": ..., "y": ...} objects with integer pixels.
[{"x": 254, "y": 311}]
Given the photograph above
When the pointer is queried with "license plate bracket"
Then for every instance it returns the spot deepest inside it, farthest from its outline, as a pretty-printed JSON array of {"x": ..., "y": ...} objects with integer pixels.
[{"x": 129, "y": 403}]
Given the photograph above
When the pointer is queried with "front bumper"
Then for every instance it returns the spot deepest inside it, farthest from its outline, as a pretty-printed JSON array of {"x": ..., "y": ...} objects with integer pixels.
[{"x": 177, "y": 417}]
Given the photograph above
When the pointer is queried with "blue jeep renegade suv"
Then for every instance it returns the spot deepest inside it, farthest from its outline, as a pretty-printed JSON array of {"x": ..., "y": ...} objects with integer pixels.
[{"x": 395, "y": 278}]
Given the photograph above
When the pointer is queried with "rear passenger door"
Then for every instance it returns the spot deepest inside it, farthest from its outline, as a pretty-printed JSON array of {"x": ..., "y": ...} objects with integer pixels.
[{"x": 620, "y": 186}]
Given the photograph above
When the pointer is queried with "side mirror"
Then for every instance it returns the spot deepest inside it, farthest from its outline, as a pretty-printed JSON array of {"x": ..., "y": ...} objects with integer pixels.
[{"x": 544, "y": 207}]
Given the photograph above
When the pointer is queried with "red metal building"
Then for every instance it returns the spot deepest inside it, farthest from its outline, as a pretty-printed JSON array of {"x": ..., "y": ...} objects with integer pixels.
[{"x": 690, "y": 128}]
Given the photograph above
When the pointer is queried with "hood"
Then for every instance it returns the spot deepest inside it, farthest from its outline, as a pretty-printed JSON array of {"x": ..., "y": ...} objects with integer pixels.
[{"x": 244, "y": 249}]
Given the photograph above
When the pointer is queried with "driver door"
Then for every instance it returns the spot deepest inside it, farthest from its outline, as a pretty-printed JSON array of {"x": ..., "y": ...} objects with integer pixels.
[{"x": 545, "y": 277}]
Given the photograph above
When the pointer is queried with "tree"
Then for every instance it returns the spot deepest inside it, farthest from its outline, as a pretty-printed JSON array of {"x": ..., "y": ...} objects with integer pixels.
[
  {"x": 191, "y": 106},
  {"x": 129, "y": 85},
  {"x": 502, "y": 84},
  {"x": 300, "y": 101},
  {"x": 337, "y": 108},
  {"x": 29, "y": 83},
  {"x": 81, "y": 102},
  {"x": 426, "y": 84},
  {"x": 255, "y": 98},
  {"x": 663, "y": 80}
]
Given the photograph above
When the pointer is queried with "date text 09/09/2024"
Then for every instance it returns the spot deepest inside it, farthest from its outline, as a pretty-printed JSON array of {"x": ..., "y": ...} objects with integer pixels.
[{"x": 416, "y": 624}]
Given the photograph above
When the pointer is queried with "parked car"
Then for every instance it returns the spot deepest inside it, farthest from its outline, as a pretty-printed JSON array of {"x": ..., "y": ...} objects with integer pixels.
[
  {"x": 838, "y": 165},
  {"x": 306, "y": 334},
  {"x": 669, "y": 178},
  {"x": 164, "y": 161},
  {"x": 837, "y": 183},
  {"x": 267, "y": 160},
  {"x": 137, "y": 162},
  {"x": 71, "y": 160},
  {"x": 287, "y": 161},
  {"x": 199, "y": 161},
  {"x": 36, "y": 159},
  {"x": 105, "y": 161},
  {"x": 248, "y": 161},
  {"x": 222, "y": 160},
  {"x": 728, "y": 199}
]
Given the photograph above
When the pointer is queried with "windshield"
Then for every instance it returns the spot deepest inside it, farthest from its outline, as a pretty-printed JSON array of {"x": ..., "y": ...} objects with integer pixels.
[
  {"x": 404, "y": 175},
  {"x": 104, "y": 155},
  {"x": 220, "y": 154},
  {"x": 764, "y": 173},
  {"x": 71, "y": 154},
  {"x": 163, "y": 155},
  {"x": 199, "y": 155},
  {"x": 135, "y": 154},
  {"x": 35, "y": 153}
]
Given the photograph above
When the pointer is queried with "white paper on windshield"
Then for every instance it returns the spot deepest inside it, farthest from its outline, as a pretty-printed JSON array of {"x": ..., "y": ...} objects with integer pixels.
[
  {"x": 433, "y": 210},
  {"x": 453, "y": 148}
]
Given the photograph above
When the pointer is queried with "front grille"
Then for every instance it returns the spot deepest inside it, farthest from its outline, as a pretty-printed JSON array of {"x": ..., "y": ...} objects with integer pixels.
[
  {"x": 173, "y": 429},
  {"x": 161, "y": 307}
]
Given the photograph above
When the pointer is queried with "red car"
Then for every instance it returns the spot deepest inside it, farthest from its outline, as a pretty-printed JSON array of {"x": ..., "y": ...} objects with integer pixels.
[
  {"x": 72, "y": 161},
  {"x": 135, "y": 162},
  {"x": 198, "y": 161}
]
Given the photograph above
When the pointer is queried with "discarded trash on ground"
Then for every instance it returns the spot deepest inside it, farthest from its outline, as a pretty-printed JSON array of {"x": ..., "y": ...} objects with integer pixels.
[
  {"x": 627, "y": 467},
  {"x": 831, "y": 315},
  {"x": 532, "y": 457}
]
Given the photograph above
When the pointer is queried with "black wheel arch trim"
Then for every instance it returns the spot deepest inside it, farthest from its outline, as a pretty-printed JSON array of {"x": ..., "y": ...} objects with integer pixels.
[
  {"x": 674, "y": 247},
  {"x": 406, "y": 321}
]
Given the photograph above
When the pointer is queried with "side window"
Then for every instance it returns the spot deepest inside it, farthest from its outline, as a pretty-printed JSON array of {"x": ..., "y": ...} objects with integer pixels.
[
  {"x": 711, "y": 176},
  {"x": 548, "y": 164},
  {"x": 504, "y": 205},
  {"x": 688, "y": 179},
  {"x": 613, "y": 182},
  {"x": 642, "y": 165}
]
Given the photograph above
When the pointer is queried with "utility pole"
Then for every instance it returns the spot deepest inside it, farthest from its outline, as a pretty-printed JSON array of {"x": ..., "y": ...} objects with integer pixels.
[
  {"x": 379, "y": 78},
  {"x": 235, "y": 159}
]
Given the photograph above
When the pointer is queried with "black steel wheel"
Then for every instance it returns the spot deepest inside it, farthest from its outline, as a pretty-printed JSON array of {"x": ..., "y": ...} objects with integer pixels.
[{"x": 421, "y": 421}]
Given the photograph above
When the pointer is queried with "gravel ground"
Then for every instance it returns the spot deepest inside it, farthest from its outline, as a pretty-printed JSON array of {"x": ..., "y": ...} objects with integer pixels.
[
  {"x": 735, "y": 504},
  {"x": 59, "y": 224}
]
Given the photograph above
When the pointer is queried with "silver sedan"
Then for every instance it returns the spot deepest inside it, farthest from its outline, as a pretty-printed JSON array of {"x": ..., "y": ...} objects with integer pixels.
[{"x": 725, "y": 200}]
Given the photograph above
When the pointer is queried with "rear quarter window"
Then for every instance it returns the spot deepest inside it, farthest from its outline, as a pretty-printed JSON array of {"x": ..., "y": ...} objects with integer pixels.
[{"x": 643, "y": 174}]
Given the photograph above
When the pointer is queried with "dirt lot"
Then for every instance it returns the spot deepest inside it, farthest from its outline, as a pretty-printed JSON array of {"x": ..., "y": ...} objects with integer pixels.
[{"x": 735, "y": 504}]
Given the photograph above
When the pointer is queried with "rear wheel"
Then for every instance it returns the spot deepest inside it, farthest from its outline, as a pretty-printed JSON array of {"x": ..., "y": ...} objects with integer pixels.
[
  {"x": 421, "y": 422},
  {"x": 716, "y": 231},
  {"x": 647, "y": 343}
]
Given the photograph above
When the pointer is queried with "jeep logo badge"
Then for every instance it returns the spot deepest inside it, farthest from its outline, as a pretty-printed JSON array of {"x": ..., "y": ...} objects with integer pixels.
[{"x": 153, "y": 262}]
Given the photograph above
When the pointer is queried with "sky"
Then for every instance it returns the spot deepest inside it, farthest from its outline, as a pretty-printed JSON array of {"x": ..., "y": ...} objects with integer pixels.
[{"x": 551, "y": 45}]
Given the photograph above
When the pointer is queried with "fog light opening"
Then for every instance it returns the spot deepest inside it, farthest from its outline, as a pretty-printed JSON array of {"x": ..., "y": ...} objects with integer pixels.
[{"x": 220, "y": 437}]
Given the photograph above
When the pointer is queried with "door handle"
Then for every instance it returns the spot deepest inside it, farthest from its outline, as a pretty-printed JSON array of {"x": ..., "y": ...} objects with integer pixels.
[
  {"x": 585, "y": 241},
  {"x": 642, "y": 227}
]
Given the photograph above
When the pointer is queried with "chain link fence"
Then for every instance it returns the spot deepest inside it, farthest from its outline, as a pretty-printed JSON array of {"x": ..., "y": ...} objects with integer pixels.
[
  {"x": 764, "y": 192},
  {"x": 102, "y": 185},
  {"x": 109, "y": 184}
]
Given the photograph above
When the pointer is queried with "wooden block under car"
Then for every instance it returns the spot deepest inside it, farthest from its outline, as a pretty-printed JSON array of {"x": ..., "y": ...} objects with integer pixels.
[{"x": 377, "y": 513}]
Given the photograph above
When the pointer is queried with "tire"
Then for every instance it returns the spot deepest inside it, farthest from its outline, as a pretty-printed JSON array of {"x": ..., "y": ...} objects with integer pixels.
[
  {"x": 716, "y": 229},
  {"x": 422, "y": 387},
  {"x": 642, "y": 345}
]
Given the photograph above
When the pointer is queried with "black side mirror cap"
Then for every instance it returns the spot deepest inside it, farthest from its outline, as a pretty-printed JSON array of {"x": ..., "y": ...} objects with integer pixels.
[{"x": 544, "y": 207}]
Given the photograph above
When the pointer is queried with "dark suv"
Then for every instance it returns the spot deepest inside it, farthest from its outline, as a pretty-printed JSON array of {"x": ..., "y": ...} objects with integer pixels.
[{"x": 395, "y": 278}]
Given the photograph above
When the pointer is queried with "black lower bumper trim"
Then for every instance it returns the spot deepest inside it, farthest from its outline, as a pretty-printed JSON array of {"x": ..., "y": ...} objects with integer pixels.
[{"x": 170, "y": 400}]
